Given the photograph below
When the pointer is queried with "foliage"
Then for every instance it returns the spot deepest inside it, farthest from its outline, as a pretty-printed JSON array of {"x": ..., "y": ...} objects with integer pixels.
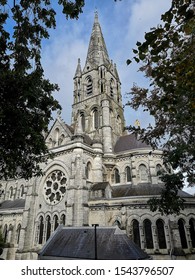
[
  {"x": 26, "y": 101},
  {"x": 168, "y": 60}
]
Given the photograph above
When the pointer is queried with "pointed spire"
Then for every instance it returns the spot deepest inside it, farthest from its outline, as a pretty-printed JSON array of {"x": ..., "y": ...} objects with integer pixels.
[
  {"x": 78, "y": 72},
  {"x": 97, "y": 51}
]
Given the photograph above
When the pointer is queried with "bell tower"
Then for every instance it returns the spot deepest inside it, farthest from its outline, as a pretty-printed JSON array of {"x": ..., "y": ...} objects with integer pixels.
[{"x": 97, "y": 93}]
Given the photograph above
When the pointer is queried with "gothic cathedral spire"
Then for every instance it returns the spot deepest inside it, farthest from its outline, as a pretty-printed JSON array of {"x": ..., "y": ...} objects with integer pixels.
[
  {"x": 97, "y": 54},
  {"x": 97, "y": 93}
]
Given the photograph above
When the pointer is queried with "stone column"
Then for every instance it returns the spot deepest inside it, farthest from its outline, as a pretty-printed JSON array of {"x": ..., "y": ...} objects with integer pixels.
[
  {"x": 155, "y": 238},
  {"x": 106, "y": 128},
  {"x": 142, "y": 237}
]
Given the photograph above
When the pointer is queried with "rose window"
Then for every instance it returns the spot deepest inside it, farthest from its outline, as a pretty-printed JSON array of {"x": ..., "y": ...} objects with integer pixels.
[{"x": 55, "y": 187}]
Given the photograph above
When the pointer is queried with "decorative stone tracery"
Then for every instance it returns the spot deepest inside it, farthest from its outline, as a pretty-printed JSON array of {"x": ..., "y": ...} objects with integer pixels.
[{"x": 55, "y": 187}]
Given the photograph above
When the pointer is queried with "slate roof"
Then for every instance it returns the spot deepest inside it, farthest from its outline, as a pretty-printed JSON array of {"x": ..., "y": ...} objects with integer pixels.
[
  {"x": 129, "y": 142},
  {"x": 100, "y": 186},
  {"x": 79, "y": 243},
  {"x": 145, "y": 189},
  {"x": 12, "y": 204}
]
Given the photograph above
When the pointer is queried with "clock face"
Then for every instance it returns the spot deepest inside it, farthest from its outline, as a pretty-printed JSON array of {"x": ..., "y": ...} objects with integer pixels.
[{"x": 55, "y": 187}]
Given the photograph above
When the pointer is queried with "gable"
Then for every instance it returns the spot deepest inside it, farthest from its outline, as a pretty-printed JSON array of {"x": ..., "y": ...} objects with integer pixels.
[{"x": 59, "y": 134}]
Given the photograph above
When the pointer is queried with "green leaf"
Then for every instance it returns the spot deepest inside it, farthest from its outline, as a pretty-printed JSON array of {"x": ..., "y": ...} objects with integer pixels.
[{"x": 128, "y": 61}]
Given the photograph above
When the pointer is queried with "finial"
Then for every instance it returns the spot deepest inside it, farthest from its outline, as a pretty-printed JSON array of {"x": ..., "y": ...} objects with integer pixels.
[
  {"x": 137, "y": 123},
  {"x": 96, "y": 15}
]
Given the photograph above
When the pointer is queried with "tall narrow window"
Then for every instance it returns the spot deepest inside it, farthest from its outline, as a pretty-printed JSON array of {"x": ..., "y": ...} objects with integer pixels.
[
  {"x": 5, "y": 233},
  {"x": 88, "y": 171},
  {"x": 117, "y": 176},
  {"x": 18, "y": 233},
  {"x": 192, "y": 231},
  {"x": 161, "y": 234},
  {"x": 136, "y": 233},
  {"x": 128, "y": 174},
  {"x": 182, "y": 234},
  {"x": 89, "y": 86},
  {"x": 148, "y": 234},
  {"x": 82, "y": 116},
  {"x": 11, "y": 192},
  {"x": 95, "y": 118},
  {"x": 57, "y": 131},
  {"x": 111, "y": 87},
  {"x": 48, "y": 226},
  {"x": 159, "y": 171},
  {"x": 143, "y": 173},
  {"x": 55, "y": 222},
  {"x": 63, "y": 219},
  {"x": 41, "y": 228}
]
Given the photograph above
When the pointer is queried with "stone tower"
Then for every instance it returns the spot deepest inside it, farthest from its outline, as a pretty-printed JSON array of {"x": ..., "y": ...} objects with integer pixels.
[{"x": 97, "y": 93}]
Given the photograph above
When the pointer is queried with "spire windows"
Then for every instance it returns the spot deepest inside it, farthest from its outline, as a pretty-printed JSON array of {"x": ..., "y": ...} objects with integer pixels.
[
  {"x": 112, "y": 88},
  {"x": 89, "y": 85},
  {"x": 82, "y": 116},
  {"x": 95, "y": 116}
]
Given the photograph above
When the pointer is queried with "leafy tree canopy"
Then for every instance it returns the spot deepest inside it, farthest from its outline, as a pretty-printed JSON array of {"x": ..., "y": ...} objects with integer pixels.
[
  {"x": 167, "y": 58},
  {"x": 26, "y": 101}
]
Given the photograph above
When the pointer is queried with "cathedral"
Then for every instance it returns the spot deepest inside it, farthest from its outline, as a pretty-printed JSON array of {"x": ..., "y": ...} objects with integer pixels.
[{"x": 99, "y": 174}]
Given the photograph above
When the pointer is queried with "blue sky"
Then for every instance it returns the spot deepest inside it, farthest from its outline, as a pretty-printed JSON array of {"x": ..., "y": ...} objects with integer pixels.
[{"x": 123, "y": 23}]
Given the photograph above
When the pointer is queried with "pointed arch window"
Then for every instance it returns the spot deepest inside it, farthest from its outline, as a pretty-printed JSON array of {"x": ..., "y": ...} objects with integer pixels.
[
  {"x": 18, "y": 233},
  {"x": 119, "y": 126},
  {"x": 89, "y": 85},
  {"x": 88, "y": 171},
  {"x": 136, "y": 233},
  {"x": 57, "y": 133},
  {"x": 48, "y": 227},
  {"x": 95, "y": 118},
  {"x": 143, "y": 173},
  {"x": 82, "y": 116},
  {"x": 116, "y": 176},
  {"x": 5, "y": 233},
  {"x": 182, "y": 234},
  {"x": 63, "y": 219},
  {"x": 128, "y": 174},
  {"x": 111, "y": 87},
  {"x": 56, "y": 222},
  {"x": 161, "y": 234},
  {"x": 192, "y": 231},
  {"x": 41, "y": 228},
  {"x": 11, "y": 192},
  {"x": 148, "y": 234}
]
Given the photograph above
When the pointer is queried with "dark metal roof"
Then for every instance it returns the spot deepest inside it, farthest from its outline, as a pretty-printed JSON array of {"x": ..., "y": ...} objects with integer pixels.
[
  {"x": 100, "y": 186},
  {"x": 79, "y": 243},
  {"x": 129, "y": 142},
  {"x": 145, "y": 189},
  {"x": 12, "y": 204}
]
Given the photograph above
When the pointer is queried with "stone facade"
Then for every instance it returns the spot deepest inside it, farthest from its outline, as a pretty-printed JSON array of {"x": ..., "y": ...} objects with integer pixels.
[{"x": 98, "y": 174}]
